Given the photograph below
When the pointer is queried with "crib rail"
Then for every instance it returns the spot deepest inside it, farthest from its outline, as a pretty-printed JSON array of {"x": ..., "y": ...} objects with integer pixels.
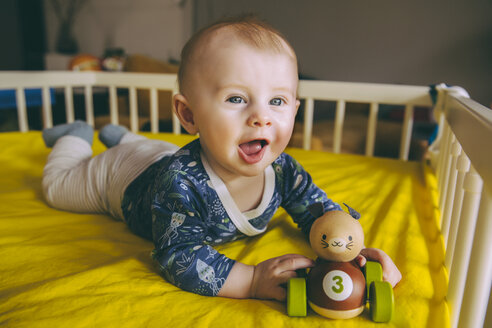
[
  {"x": 369, "y": 93},
  {"x": 88, "y": 81},
  {"x": 464, "y": 171},
  {"x": 309, "y": 91}
]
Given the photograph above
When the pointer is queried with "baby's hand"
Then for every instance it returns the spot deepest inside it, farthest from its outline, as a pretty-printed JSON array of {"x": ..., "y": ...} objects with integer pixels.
[
  {"x": 391, "y": 273},
  {"x": 270, "y": 275}
]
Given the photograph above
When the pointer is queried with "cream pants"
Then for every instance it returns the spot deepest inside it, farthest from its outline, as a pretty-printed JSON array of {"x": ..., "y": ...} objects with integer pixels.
[{"x": 75, "y": 181}]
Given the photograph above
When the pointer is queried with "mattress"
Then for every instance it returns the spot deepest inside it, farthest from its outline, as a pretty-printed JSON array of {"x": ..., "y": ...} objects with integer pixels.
[{"x": 76, "y": 270}]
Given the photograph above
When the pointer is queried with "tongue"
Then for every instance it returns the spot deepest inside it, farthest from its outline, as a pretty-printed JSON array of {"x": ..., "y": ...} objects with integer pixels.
[{"x": 251, "y": 147}]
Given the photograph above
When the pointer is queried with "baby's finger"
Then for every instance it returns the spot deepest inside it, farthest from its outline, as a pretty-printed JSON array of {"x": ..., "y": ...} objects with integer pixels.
[
  {"x": 283, "y": 277},
  {"x": 292, "y": 262},
  {"x": 393, "y": 278},
  {"x": 289, "y": 256},
  {"x": 391, "y": 273},
  {"x": 361, "y": 260},
  {"x": 373, "y": 254}
]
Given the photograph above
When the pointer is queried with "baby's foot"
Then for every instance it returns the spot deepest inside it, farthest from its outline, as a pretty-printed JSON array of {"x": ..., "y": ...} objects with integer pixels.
[
  {"x": 78, "y": 129},
  {"x": 111, "y": 134}
]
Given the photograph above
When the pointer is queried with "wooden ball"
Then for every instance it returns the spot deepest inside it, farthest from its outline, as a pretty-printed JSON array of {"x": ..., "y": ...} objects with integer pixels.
[
  {"x": 336, "y": 290},
  {"x": 337, "y": 236}
]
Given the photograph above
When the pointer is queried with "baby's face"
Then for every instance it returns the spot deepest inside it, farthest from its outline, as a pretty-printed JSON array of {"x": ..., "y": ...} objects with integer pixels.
[{"x": 244, "y": 103}]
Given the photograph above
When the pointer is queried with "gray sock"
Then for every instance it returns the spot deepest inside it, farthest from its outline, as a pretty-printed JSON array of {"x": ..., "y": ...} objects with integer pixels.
[
  {"x": 111, "y": 134},
  {"x": 77, "y": 129}
]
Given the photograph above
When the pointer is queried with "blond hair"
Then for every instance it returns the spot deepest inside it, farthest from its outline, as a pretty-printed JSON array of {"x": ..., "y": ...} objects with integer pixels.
[{"x": 249, "y": 29}]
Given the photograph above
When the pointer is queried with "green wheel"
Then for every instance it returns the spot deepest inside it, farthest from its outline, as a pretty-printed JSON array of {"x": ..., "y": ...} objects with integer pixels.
[
  {"x": 373, "y": 271},
  {"x": 382, "y": 301},
  {"x": 296, "y": 297}
]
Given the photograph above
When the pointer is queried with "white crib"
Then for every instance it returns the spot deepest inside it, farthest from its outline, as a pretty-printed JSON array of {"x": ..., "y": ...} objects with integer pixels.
[{"x": 460, "y": 156}]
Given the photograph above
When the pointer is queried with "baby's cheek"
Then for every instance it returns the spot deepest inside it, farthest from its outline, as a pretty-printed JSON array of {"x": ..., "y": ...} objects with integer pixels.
[
  {"x": 284, "y": 132},
  {"x": 287, "y": 123}
]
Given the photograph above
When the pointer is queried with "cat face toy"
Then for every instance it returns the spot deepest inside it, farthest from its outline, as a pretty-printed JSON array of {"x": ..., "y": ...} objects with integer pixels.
[{"x": 337, "y": 236}]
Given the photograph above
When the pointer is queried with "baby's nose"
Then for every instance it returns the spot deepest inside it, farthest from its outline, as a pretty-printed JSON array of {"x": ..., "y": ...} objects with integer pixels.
[{"x": 259, "y": 117}]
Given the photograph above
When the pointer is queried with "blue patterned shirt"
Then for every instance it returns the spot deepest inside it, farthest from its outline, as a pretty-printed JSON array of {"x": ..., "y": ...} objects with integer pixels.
[{"x": 180, "y": 204}]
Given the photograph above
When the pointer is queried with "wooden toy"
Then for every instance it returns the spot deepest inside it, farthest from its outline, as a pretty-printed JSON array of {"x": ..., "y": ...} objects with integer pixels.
[{"x": 336, "y": 287}]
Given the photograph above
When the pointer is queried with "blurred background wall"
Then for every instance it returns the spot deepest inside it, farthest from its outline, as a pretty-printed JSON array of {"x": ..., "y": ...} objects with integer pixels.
[
  {"x": 384, "y": 41},
  {"x": 157, "y": 28}
]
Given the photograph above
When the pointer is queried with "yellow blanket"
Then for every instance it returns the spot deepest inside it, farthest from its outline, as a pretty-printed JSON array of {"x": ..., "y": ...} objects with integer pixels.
[{"x": 60, "y": 269}]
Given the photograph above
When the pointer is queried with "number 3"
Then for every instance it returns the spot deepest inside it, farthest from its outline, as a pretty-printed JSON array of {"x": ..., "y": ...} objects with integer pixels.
[{"x": 337, "y": 285}]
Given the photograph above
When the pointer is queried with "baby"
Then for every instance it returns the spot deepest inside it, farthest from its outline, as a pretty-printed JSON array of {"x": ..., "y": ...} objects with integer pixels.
[{"x": 238, "y": 91}]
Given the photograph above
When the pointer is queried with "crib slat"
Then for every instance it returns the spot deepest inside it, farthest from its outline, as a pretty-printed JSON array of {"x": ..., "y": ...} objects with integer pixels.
[
  {"x": 69, "y": 104},
  {"x": 406, "y": 135},
  {"x": 21, "y": 109},
  {"x": 447, "y": 159},
  {"x": 479, "y": 279},
  {"x": 113, "y": 105},
  {"x": 458, "y": 270},
  {"x": 154, "y": 114},
  {"x": 448, "y": 204},
  {"x": 463, "y": 165},
  {"x": 47, "y": 113},
  {"x": 371, "y": 129},
  {"x": 176, "y": 123},
  {"x": 89, "y": 105},
  {"x": 441, "y": 151},
  {"x": 133, "y": 110},
  {"x": 436, "y": 146},
  {"x": 339, "y": 118},
  {"x": 308, "y": 123}
]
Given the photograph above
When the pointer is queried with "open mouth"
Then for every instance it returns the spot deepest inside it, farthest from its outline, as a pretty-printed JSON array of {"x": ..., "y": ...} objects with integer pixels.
[{"x": 252, "y": 151}]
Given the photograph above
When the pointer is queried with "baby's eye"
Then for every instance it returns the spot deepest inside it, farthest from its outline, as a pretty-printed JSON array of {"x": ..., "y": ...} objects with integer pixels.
[
  {"x": 276, "y": 102},
  {"x": 235, "y": 100}
]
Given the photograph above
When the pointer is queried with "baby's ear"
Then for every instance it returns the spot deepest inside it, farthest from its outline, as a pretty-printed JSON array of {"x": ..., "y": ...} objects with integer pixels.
[
  {"x": 184, "y": 113},
  {"x": 316, "y": 209}
]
